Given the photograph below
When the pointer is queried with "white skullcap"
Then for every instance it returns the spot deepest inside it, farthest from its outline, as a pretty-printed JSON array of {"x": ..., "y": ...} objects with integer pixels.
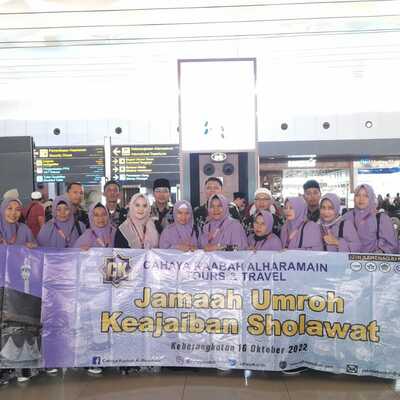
[
  {"x": 36, "y": 196},
  {"x": 264, "y": 191}
]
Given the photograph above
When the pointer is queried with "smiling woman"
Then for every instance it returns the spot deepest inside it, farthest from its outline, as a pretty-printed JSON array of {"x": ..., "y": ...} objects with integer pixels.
[{"x": 138, "y": 231}]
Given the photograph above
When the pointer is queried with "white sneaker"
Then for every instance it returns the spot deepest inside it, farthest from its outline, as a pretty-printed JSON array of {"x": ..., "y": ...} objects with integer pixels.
[
  {"x": 95, "y": 371},
  {"x": 296, "y": 371},
  {"x": 21, "y": 379},
  {"x": 52, "y": 371}
]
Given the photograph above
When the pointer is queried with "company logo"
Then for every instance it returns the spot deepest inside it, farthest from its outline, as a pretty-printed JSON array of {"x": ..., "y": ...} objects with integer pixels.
[
  {"x": 352, "y": 368},
  {"x": 96, "y": 360},
  {"x": 116, "y": 269},
  {"x": 385, "y": 267},
  {"x": 371, "y": 267},
  {"x": 396, "y": 268},
  {"x": 356, "y": 266}
]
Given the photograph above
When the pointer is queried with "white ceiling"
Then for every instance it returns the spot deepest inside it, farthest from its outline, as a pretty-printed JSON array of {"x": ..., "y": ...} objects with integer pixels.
[{"x": 47, "y": 23}]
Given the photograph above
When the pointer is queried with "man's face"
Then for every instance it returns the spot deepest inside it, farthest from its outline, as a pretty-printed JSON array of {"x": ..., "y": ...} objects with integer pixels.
[
  {"x": 263, "y": 202},
  {"x": 75, "y": 194},
  {"x": 112, "y": 193},
  {"x": 312, "y": 196},
  {"x": 161, "y": 195},
  {"x": 241, "y": 203},
  {"x": 213, "y": 187}
]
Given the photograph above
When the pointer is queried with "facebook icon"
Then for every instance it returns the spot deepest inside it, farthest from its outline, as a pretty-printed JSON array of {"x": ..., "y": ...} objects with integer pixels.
[{"x": 96, "y": 360}]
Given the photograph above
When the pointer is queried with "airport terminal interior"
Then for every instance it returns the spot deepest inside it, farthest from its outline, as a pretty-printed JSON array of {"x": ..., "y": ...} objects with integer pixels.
[{"x": 265, "y": 99}]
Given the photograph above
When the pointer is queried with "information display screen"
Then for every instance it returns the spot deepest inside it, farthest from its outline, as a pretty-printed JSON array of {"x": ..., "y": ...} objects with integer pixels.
[
  {"x": 83, "y": 164},
  {"x": 142, "y": 164}
]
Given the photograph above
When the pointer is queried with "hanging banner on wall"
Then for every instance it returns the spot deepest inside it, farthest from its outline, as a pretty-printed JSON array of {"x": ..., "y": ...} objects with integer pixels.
[{"x": 333, "y": 312}]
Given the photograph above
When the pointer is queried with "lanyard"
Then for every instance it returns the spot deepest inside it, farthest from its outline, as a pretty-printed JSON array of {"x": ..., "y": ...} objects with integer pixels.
[
  {"x": 13, "y": 238},
  {"x": 141, "y": 239},
  {"x": 100, "y": 241},
  {"x": 67, "y": 239},
  {"x": 212, "y": 236}
]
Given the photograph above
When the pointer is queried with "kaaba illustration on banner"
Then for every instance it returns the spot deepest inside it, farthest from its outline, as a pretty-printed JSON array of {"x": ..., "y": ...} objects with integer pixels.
[{"x": 20, "y": 326}]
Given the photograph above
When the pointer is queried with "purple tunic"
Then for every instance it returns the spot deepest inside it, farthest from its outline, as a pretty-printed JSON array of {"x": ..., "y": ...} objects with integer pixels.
[
  {"x": 226, "y": 231},
  {"x": 366, "y": 223},
  {"x": 177, "y": 234},
  {"x": 268, "y": 242},
  {"x": 18, "y": 233},
  {"x": 291, "y": 230},
  {"x": 60, "y": 234},
  {"x": 350, "y": 242},
  {"x": 94, "y": 236}
]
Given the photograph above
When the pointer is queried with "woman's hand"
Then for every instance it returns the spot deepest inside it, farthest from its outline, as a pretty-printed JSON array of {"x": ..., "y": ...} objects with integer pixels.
[
  {"x": 212, "y": 247},
  {"x": 85, "y": 248},
  {"x": 31, "y": 245},
  {"x": 184, "y": 247},
  {"x": 331, "y": 240}
]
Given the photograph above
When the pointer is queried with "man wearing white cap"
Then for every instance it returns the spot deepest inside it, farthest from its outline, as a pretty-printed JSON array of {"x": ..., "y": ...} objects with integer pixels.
[
  {"x": 263, "y": 201},
  {"x": 34, "y": 213}
]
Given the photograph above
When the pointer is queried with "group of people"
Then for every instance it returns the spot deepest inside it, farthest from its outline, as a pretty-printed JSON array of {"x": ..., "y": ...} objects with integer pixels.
[{"x": 311, "y": 222}]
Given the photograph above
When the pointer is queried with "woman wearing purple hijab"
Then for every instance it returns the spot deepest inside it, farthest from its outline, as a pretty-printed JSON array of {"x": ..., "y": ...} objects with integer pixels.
[
  {"x": 337, "y": 234},
  {"x": 180, "y": 235},
  {"x": 62, "y": 230},
  {"x": 13, "y": 232},
  {"x": 375, "y": 230},
  {"x": 263, "y": 238},
  {"x": 101, "y": 233},
  {"x": 221, "y": 232},
  {"x": 298, "y": 233}
]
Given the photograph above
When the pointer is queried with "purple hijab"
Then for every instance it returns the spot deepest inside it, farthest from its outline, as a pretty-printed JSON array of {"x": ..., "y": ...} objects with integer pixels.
[
  {"x": 177, "y": 234},
  {"x": 59, "y": 234},
  {"x": 291, "y": 231},
  {"x": 18, "y": 233},
  {"x": 268, "y": 242},
  {"x": 225, "y": 231},
  {"x": 94, "y": 236},
  {"x": 350, "y": 242},
  {"x": 366, "y": 224}
]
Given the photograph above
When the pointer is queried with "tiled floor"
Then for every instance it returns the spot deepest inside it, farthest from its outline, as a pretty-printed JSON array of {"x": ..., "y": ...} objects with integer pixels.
[{"x": 200, "y": 385}]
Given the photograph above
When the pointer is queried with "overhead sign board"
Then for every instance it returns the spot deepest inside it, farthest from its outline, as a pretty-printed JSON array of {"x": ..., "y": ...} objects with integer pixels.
[
  {"x": 142, "y": 164},
  {"x": 83, "y": 164}
]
